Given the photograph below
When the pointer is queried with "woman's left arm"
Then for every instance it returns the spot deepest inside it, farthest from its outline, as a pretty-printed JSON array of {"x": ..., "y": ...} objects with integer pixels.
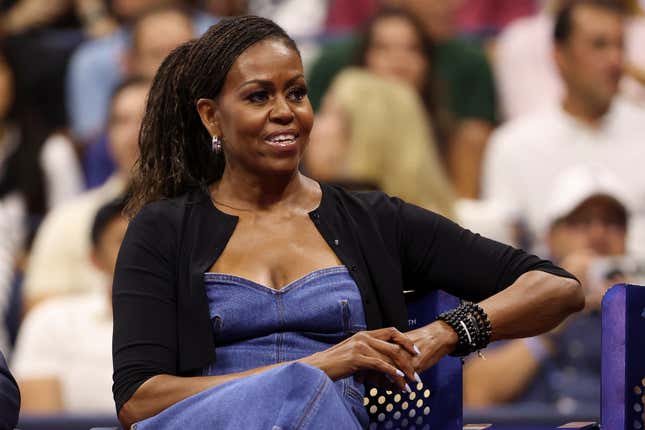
[
  {"x": 521, "y": 294},
  {"x": 535, "y": 303}
]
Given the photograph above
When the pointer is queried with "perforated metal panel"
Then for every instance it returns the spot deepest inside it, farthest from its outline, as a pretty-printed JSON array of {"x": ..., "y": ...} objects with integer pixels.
[
  {"x": 399, "y": 410},
  {"x": 637, "y": 404},
  {"x": 434, "y": 404}
]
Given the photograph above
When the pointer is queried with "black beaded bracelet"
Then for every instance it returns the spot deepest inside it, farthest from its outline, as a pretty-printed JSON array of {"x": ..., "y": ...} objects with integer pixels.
[{"x": 472, "y": 326}]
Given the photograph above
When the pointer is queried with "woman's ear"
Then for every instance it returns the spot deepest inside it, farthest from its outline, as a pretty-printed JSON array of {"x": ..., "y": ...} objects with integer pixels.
[{"x": 207, "y": 110}]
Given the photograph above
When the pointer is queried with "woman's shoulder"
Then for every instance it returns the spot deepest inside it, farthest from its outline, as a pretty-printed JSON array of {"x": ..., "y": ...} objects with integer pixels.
[
  {"x": 387, "y": 211},
  {"x": 168, "y": 211},
  {"x": 166, "y": 208},
  {"x": 369, "y": 201}
]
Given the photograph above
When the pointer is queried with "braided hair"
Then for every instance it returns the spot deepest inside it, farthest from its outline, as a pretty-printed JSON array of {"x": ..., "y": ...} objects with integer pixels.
[{"x": 175, "y": 147}]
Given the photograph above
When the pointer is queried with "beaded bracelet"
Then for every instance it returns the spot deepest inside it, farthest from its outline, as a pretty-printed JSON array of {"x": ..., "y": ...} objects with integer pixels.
[{"x": 472, "y": 326}]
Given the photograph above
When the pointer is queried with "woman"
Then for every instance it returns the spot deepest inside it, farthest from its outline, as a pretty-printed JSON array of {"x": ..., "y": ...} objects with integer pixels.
[
  {"x": 40, "y": 167},
  {"x": 395, "y": 44},
  {"x": 371, "y": 130},
  {"x": 242, "y": 282}
]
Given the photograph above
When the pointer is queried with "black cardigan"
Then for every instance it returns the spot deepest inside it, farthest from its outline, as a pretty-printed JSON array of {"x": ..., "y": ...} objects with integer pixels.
[
  {"x": 9, "y": 397},
  {"x": 161, "y": 318}
]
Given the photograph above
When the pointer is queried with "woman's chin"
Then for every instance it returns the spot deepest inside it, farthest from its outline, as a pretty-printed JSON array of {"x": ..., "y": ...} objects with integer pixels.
[{"x": 282, "y": 167}]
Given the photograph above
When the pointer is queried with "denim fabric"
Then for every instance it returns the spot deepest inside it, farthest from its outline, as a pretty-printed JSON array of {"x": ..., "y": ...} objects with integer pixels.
[{"x": 256, "y": 326}]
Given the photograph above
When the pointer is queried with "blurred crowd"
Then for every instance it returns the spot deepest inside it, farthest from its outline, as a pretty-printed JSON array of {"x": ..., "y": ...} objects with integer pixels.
[{"x": 522, "y": 120}]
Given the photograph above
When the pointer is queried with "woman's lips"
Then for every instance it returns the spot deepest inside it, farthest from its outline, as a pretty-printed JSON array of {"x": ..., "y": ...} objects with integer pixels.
[{"x": 283, "y": 141}]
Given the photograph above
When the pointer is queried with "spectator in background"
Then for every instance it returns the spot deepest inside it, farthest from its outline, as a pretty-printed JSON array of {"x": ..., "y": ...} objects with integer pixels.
[
  {"x": 37, "y": 173},
  {"x": 60, "y": 260},
  {"x": 587, "y": 219},
  {"x": 43, "y": 169},
  {"x": 469, "y": 95},
  {"x": 592, "y": 125},
  {"x": 26, "y": 15},
  {"x": 485, "y": 18},
  {"x": 527, "y": 75},
  {"x": 12, "y": 230},
  {"x": 345, "y": 16},
  {"x": 63, "y": 359},
  {"x": 146, "y": 52},
  {"x": 374, "y": 133},
  {"x": 39, "y": 38},
  {"x": 98, "y": 66},
  {"x": 9, "y": 397},
  {"x": 395, "y": 45},
  {"x": 148, "y": 49},
  {"x": 304, "y": 21},
  {"x": 225, "y": 7}
]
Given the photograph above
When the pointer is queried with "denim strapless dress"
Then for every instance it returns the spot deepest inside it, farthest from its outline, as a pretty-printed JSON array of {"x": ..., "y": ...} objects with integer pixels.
[{"x": 256, "y": 326}]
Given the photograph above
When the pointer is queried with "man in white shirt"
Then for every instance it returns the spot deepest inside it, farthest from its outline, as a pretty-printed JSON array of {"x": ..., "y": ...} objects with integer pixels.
[
  {"x": 60, "y": 258},
  {"x": 63, "y": 355},
  {"x": 591, "y": 126},
  {"x": 526, "y": 75}
]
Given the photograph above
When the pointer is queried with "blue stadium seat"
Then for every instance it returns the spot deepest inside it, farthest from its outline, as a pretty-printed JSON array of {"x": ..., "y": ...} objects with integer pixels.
[
  {"x": 437, "y": 402},
  {"x": 623, "y": 358}
]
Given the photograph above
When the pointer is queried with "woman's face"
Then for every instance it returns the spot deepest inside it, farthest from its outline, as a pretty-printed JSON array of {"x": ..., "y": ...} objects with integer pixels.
[
  {"x": 395, "y": 51},
  {"x": 262, "y": 114},
  {"x": 127, "y": 111}
]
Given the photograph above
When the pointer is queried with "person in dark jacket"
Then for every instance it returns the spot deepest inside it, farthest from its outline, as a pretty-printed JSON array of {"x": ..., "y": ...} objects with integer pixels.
[
  {"x": 9, "y": 397},
  {"x": 242, "y": 282}
]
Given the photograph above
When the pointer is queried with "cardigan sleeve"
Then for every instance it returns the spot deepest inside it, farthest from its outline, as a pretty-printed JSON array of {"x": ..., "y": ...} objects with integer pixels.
[
  {"x": 144, "y": 303},
  {"x": 437, "y": 253}
]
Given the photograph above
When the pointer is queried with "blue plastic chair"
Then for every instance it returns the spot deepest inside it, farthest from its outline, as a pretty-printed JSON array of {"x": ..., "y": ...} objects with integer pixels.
[
  {"x": 623, "y": 358},
  {"x": 437, "y": 402}
]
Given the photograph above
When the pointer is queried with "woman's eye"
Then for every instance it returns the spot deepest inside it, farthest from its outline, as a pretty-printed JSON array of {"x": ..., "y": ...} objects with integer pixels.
[
  {"x": 298, "y": 93},
  {"x": 258, "y": 97}
]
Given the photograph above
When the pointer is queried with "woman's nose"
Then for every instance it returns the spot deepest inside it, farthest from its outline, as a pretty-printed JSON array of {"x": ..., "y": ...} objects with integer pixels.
[{"x": 281, "y": 111}]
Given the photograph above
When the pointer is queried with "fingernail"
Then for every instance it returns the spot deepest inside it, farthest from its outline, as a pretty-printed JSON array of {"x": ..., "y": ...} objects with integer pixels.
[
  {"x": 407, "y": 388},
  {"x": 417, "y": 378},
  {"x": 416, "y": 349},
  {"x": 401, "y": 374}
]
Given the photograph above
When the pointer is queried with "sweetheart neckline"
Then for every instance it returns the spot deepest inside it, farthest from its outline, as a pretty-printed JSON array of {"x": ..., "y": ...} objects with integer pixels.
[{"x": 284, "y": 288}]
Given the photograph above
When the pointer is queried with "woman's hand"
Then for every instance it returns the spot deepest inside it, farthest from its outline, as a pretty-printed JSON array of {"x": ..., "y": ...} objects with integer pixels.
[
  {"x": 385, "y": 351},
  {"x": 434, "y": 340}
]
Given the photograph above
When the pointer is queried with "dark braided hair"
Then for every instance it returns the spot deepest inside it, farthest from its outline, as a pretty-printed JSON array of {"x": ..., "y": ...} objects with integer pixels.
[{"x": 175, "y": 146}]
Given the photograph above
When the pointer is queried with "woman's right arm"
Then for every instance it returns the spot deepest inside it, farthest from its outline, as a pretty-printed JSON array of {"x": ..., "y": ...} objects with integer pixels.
[{"x": 144, "y": 302}]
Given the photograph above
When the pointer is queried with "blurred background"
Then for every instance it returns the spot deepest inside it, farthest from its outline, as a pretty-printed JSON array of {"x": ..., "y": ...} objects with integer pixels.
[{"x": 522, "y": 120}]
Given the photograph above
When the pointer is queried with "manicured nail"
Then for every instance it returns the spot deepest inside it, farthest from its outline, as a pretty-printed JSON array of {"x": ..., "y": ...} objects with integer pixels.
[
  {"x": 401, "y": 374},
  {"x": 407, "y": 388},
  {"x": 417, "y": 378},
  {"x": 416, "y": 349}
]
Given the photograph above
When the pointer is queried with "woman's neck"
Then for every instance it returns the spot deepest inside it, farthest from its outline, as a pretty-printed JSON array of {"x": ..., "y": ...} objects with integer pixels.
[{"x": 253, "y": 192}]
